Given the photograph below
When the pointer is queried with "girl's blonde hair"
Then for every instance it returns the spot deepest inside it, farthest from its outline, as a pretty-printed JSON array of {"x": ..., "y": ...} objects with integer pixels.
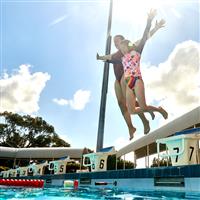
[
  {"x": 128, "y": 43},
  {"x": 125, "y": 42}
]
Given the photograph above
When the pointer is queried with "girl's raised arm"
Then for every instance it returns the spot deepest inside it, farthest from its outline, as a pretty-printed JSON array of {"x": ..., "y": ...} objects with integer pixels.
[{"x": 151, "y": 15}]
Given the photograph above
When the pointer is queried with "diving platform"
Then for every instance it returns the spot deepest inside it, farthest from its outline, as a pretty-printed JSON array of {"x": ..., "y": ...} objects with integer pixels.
[{"x": 146, "y": 145}]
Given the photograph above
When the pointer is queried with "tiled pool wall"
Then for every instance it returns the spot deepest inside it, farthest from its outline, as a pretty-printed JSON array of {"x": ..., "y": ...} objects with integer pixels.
[
  {"x": 137, "y": 184},
  {"x": 179, "y": 178}
]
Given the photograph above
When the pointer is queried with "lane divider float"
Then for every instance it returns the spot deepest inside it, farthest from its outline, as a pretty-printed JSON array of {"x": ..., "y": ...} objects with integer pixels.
[{"x": 37, "y": 183}]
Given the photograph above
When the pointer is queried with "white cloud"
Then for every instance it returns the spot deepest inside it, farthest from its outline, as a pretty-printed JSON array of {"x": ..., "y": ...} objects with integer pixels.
[
  {"x": 175, "y": 83},
  {"x": 58, "y": 20},
  {"x": 20, "y": 92},
  {"x": 61, "y": 102},
  {"x": 79, "y": 101},
  {"x": 81, "y": 98}
]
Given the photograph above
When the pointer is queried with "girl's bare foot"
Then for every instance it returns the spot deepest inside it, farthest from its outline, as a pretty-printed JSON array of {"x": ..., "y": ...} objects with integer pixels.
[
  {"x": 163, "y": 112},
  {"x": 146, "y": 127},
  {"x": 152, "y": 115},
  {"x": 131, "y": 133}
]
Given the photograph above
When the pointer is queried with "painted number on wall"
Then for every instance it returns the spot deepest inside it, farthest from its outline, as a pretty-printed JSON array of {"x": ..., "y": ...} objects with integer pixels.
[
  {"x": 61, "y": 168},
  {"x": 177, "y": 151},
  {"x": 192, "y": 150},
  {"x": 101, "y": 166}
]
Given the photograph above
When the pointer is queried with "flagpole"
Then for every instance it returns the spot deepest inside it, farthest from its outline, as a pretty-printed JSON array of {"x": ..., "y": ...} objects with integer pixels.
[{"x": 104, "y": 89}]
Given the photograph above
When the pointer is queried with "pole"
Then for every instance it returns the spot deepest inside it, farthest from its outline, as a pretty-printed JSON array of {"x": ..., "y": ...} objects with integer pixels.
[{"x": 104, "y": 85}]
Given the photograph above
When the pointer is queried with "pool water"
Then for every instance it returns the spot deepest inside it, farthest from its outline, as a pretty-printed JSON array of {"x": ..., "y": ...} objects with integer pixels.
[{"x": 87, "y": 193}]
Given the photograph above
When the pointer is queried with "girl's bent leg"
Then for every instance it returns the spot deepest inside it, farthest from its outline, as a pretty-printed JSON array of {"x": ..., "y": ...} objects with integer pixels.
[
  {"x": 140, "y": 94},
  {"x": 163, "y": 112}
]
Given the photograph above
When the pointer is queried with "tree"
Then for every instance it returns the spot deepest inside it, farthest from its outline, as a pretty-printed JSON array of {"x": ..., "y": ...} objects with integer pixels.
[
  {"x": 27, "y": 131},
  {"x": 111, "y": 163},
  {"x": 161, "y": 163}
]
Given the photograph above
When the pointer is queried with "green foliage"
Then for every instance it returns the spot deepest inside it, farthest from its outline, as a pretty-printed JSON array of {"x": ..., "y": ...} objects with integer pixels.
[
  {"x": 27, "y": 131},
  {"x": 128, "y": 164},
  {"x": 111, "y": 163},
  {"x": 161, "y": 163},
  {"x": 72, "y": 167}
]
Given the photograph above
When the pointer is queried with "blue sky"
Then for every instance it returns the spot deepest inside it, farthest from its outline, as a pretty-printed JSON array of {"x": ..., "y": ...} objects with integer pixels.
[{"x": 49, "y": 69}]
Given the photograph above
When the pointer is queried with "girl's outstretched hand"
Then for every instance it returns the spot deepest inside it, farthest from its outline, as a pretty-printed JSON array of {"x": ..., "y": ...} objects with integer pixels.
[
  {"x": 160, "y": 24},
  {"x": 104, "y": 58},
  {"x": 152, "y": 13}
]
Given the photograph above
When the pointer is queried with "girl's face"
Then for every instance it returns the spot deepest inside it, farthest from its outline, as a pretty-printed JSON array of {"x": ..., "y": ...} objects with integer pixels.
[
  {"x": 117, "y": 41},
  {"x": 123, "y": 47}
]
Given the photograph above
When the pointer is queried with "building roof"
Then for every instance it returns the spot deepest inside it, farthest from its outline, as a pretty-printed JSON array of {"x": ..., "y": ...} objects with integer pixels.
[{"x": 40, "y": 152}]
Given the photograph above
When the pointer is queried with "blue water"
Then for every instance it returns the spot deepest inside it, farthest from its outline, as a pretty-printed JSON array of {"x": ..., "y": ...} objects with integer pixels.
[{"x": 88, "y": 193}]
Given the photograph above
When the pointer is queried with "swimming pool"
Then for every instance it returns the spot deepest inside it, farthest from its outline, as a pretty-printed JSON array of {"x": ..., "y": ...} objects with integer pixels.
[{"x": 89, "y": 193}]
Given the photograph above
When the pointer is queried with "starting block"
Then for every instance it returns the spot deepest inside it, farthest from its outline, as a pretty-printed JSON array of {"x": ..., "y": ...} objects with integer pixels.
[
  {"x": 98, "y": 161},
  {"x": 183, "y": 147}
]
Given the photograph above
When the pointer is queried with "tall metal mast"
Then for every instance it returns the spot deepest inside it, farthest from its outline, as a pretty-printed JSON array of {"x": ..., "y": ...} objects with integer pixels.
[{"x": 104, "y": 85}]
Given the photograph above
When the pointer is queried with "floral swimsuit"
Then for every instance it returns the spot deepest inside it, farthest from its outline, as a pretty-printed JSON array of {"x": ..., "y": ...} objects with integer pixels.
[{"x": 131, "y": 64}]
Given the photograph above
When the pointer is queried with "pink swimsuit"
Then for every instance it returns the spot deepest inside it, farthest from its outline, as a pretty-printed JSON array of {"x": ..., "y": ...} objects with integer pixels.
[{"x": 131, "y": 64}]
